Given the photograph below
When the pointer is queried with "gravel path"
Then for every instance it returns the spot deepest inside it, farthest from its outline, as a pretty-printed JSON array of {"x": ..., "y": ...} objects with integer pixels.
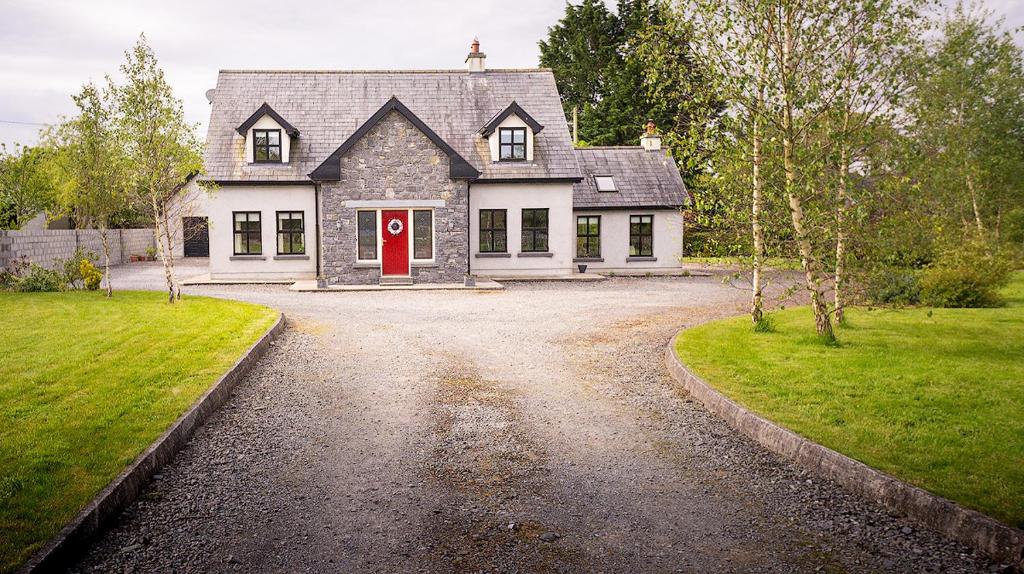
[{"x": 530, "y": 430}]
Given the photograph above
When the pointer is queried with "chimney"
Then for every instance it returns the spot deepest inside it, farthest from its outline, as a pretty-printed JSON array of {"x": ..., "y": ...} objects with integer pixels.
[
  {"x": 476, "y": 60},
  {"x": 650, "y": 141}
]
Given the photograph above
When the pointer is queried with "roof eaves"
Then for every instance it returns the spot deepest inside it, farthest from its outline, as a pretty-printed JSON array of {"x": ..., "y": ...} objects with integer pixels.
[
  {"x": 266, "y": 110},
  {"x": 512, "y": 108}
]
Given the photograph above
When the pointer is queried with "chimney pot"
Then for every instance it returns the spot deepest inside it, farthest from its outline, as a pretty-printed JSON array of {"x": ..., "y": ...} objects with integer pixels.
[
  {"x": 476, "y": 61},
  {"x": 650, "y": 141}
]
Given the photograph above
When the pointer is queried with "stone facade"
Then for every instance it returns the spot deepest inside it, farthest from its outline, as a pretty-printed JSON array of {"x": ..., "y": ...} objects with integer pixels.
[
  {"x": 50, "y": 247},
  {"x": 395, "y": 161}
]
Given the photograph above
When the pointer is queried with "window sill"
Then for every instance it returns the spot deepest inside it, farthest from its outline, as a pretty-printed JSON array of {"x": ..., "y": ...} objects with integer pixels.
[
  {"x": 535, "y": 254},
  {"x": 588, "y": 260},
  {"x": 290, "y": 256},
  {"x": 421, "y": 264},
  {"x": 247, "y": 258},
  {"x": 637, "y": 259},
  {"x": 490, "y": 255},
  {"x": 367, "y": 265}
]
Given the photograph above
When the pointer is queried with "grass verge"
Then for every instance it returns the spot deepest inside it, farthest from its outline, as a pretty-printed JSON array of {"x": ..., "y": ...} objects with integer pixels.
[
  {"x": 932, "y": 396},
  {"x": 87, "y": 383}
]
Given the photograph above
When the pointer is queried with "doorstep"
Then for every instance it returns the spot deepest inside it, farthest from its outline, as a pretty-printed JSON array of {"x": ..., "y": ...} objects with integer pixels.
[{"x": 308, "y": 286}]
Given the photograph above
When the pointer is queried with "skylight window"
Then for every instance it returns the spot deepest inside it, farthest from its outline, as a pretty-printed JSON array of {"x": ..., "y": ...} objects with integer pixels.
[{"x": 604, "y": 183}]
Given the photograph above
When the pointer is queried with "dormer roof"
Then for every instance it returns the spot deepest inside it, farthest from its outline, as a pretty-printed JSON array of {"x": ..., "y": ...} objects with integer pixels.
[
  {"x": 266, "y": 110},
  {"x": 512, "y": 108}
]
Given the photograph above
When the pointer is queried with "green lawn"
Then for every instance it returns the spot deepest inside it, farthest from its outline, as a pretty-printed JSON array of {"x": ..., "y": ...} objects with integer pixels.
[
  {"x": 769, "y": 263},
  {"x": 933, "y": 396},
  {"x": 87, "y": 383}
]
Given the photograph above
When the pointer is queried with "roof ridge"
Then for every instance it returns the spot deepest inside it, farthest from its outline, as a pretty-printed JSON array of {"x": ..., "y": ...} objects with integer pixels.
[{"x": 378, "y": 71}]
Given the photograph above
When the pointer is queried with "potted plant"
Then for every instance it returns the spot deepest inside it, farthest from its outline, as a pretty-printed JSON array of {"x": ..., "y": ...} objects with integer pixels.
[
  {"x": 321, "y": 282},
  {"x": 470, "y": 281},
  {"x": 151, "y": 254},
  {"x": 582, "y": 267}
]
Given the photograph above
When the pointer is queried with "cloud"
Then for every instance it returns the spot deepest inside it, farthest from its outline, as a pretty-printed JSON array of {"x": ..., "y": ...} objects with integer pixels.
[{"x": 52, "y": 47}]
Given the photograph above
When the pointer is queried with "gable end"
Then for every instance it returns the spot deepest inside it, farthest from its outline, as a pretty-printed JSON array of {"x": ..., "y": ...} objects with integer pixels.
[{"x": 330, "y": 169}]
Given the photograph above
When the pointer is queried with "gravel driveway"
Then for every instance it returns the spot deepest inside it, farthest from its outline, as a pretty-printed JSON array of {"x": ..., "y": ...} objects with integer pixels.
[{"x": 529, "y": 430}]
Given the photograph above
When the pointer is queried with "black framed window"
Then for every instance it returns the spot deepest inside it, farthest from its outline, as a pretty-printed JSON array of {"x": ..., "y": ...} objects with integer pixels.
[
  {"x": 493, "y": 231},
  {"x": 422, "y": 234},
  {"x": 641, "y": 235},
  {"x": 367, "y": 223},
  {"x": 248, "y": 233},
  {"x": 291, "y": 236},
  {"x": 535, "y": 230},
  {"x": 588, "y": 236},
  {"x": 266, "y": 146},
  {"x": 511, "y": 144}
]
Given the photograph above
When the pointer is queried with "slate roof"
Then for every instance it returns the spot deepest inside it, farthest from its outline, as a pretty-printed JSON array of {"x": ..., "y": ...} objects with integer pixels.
[
  {"x": 643, "y": 179},
  {"x": 329, "y": 106}
]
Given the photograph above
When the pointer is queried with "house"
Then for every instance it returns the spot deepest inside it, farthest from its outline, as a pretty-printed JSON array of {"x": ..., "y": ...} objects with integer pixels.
[{"x": 421, "y": 176}]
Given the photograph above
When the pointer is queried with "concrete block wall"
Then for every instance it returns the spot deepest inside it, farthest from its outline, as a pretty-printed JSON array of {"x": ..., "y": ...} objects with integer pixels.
[{"x": 50, "y": 247}]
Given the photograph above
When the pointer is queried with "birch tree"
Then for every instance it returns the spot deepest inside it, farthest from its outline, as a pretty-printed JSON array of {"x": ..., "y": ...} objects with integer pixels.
[
  {"x": 877, "y": 38},
  {"x": 162, "y": 148},
  {"x": 735, "y": 51},
  {"x": 93, "y": 159}
]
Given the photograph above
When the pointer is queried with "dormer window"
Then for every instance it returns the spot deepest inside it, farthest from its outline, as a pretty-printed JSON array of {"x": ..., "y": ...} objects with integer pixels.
[
  {"x": 268, "y": 137},
  {"x": 605, "y": 183},
  {"x": 266, "y": 146},
  {"x": 512, "y": 144}
]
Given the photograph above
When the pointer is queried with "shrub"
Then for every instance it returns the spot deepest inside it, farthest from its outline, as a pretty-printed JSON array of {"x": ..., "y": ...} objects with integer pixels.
[
  {"x": 969, "y": 274},
  {"x": 73, "y": 267},
  {"x": 10, "y": 276},
  {"x": 893, "y": 286},
  {"x": 91, "y": 276},
  {"x": 41, "y": 279}
]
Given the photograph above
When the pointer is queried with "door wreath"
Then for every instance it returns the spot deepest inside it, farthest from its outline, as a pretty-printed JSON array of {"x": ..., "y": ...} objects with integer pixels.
[{"x": 395, "y": 226}]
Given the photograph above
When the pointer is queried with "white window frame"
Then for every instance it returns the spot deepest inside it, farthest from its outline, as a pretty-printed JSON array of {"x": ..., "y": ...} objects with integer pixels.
[{"x": 411, "y": 223}]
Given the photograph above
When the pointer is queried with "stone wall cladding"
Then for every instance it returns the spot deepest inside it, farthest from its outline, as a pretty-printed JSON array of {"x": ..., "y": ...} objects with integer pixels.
[
  {"x": 50, "y": 247},
  {"x": 395, "y": 161}
]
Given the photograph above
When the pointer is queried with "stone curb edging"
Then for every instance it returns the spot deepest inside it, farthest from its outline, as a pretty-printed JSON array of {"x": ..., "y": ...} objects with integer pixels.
[
  {"x": 123, "y": 490},
  {"x": 974, "y": 529}
]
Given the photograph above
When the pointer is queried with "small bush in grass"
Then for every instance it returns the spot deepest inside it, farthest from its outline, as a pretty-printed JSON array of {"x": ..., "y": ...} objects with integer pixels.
[
  {"x": 766, "y": 324},
  {"x": 967, "y": 275},
  {"x": 91, "y": 276}
]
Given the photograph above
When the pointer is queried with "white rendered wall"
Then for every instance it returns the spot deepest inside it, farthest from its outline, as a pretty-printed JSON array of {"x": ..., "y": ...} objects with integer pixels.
[
  {"x": 556, "y": 197},
  {"x": 191, "y": 201},
  {"x": 268, "y": 200},
  {"x": 668, "y": 240}
]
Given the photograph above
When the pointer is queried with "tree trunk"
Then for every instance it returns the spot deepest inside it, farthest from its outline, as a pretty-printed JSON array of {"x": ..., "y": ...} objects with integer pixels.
[
  {"x": 169, "y": 236},
  {"x": 104, "y": 238},
  {"x": 839, "y": 284},
  {"x": 974, "y": 202},
  {"x": 822, "y": 322},
  {"x": 756, "y": 307},
  {"x": 158, "y": 237}
]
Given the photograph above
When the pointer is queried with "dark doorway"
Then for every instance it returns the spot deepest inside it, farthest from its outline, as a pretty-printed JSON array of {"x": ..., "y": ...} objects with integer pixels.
[{"x": 197, "y": 236}]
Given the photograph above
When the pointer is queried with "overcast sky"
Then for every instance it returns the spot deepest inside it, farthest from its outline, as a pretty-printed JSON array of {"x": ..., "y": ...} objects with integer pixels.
[{"x": 49, "y": 48}]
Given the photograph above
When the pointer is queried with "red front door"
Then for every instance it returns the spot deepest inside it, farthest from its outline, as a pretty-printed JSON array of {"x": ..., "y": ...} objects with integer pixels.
[{"x": 395, "y": 239}]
